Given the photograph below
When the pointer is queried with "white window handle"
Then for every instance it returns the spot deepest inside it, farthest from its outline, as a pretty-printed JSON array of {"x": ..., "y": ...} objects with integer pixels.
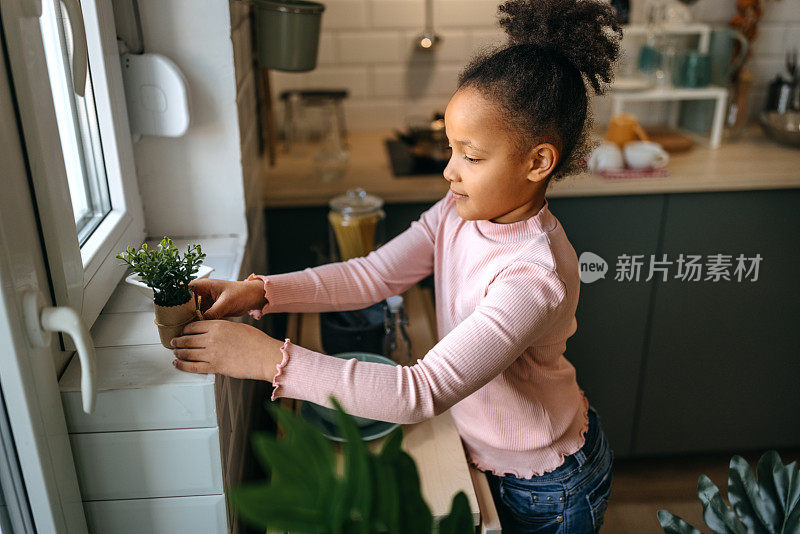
[
  {"x": 41, "y": 320},
  {"x": 80, "y": 50}
]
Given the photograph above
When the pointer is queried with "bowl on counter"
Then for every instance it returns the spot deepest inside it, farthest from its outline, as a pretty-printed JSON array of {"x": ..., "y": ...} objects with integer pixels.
[
  {"x": 783, "y": 128},
  {"x": 329, "y": 414}
]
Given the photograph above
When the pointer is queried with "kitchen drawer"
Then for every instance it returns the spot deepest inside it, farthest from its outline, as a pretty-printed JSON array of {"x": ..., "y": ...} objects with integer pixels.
[
  {"x": 203, "y": 514},
  {"x": 156, "y": 463},
  {"x": 139, "y": 389}
]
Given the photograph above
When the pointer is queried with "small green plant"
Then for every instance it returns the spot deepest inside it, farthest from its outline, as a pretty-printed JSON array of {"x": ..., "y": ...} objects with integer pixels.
[
  {"x": 376, "y": 492},
  {"x": 769, "y": 506},
  {"x": 164, "y": 270}
]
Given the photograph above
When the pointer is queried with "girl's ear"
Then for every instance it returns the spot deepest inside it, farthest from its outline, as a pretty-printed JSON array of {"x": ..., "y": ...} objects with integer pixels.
[{"x": 542, "y": 159}]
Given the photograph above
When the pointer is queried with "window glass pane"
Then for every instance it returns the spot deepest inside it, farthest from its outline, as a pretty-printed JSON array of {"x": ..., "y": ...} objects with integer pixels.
[{"x": 77, "y": 124}]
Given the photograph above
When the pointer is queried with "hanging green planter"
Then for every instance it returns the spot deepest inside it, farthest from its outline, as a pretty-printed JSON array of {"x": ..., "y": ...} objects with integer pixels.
[{"x": 288, "y": 34}]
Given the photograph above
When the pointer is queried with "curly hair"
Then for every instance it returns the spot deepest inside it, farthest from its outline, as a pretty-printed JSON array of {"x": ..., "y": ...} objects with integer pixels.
[{"x": 537, "y": 79}]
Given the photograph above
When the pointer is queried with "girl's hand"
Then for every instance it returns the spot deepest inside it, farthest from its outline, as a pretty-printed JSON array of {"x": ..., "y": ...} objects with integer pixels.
[
  {"x": 225, "y": 298},
  {"x": 227, "y": 348}
]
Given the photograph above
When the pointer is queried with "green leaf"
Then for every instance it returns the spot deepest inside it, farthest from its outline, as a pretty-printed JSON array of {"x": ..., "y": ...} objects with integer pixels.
[
  {"x": 386, "y": 508},
  {"x": 745, "y": 497},
  {"x": 277, "y": 508},
  {"x": 781, "y": 481},
  {"x": 672, "y": 524},
  {"x": 358, "y": 479},
  {"x": 287, "y": 465},
  {"x": 792, "y": 523},
  {"x": 415, "y": 516},
  {"x": 393, "y": 443},
  {"x": 771, "y": 504},
  {"x": 311, "y": 445},
  {"x": 792, "y": 498},
  {"x": 717, "y": 515},
  {"x": 459, "y": 520}
]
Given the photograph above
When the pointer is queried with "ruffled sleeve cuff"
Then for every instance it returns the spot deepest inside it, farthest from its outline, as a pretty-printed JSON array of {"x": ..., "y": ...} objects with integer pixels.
[
  {"x": 277, "y": 379},
  {"x": 256, "y": 313}
]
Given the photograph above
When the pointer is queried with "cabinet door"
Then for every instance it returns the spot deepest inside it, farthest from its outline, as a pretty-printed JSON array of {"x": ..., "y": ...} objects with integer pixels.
[
  {"x": 606, "y": 350},
  {"x": 722, "y": 368},
  {"x": 152, "y": 463},
  {"x": 200, "y": 514}
]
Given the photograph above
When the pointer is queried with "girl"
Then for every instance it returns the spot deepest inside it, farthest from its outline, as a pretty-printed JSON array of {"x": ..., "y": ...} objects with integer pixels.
[{"x": 506, "y": 279}]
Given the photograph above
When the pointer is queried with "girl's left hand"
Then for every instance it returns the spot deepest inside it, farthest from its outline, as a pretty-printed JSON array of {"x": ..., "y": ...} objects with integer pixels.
[{"x": 227, "y": 348}]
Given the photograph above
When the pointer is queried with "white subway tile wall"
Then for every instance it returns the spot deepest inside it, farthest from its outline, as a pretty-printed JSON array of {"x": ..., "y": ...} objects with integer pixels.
[
  {"x": 778, "y": 32},
  {"x": 369, "y": 48}
]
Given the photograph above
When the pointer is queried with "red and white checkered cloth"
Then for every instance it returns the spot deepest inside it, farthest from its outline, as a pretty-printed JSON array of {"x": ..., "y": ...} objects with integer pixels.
[
  {"x": 629, "y": 173},
  {"x": 634, "y": 173}
]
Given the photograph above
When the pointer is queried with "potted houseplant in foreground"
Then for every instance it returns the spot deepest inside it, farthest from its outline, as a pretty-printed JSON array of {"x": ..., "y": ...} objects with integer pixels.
[
  {"x": 375, "y": 492},
  {"x": 168, "y": 273},
  {"x": 769, "y": 505}
]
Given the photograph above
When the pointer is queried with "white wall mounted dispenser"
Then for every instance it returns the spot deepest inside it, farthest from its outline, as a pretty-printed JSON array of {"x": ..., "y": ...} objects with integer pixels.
[{"x": 157, "y": 95}]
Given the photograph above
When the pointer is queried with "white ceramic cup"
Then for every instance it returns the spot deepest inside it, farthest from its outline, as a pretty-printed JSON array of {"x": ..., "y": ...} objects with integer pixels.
[
  {"x": 645, "y": 154},
  {"x": 606, "y": 156}
]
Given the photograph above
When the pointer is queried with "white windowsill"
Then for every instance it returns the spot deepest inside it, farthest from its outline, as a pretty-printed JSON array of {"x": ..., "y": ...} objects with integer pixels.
[{"x": 129, "y": 353}]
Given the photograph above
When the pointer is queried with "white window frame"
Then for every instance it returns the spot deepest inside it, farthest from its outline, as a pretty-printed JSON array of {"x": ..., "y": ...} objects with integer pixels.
[{"x": 82, "y": 277}]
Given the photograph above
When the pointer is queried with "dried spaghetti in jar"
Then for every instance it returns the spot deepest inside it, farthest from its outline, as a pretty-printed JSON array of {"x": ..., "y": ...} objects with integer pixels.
[{"x": 356, "y": 221}]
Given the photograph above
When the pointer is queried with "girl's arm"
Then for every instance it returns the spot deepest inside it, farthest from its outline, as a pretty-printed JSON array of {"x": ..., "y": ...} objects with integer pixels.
[
  {"x": 359, "y": 282},
  {"x": 524, "y": 304}
]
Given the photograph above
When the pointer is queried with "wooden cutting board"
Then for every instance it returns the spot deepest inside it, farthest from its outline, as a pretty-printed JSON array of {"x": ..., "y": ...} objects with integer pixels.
[{"x": 672, "y": 140}]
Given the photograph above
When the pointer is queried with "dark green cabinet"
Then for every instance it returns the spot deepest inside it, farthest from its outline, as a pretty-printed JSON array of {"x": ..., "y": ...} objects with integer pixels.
[
  {"x": 671, "y": 366},
  {"x": 722, "y": 372}
]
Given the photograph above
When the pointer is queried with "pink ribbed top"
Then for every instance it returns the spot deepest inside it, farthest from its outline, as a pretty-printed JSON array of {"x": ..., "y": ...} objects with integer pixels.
[{"x": 506, "y": 296}]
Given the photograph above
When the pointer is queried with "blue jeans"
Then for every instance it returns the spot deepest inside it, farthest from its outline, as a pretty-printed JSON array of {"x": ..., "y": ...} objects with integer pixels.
[{"x": 568, "y": 500}]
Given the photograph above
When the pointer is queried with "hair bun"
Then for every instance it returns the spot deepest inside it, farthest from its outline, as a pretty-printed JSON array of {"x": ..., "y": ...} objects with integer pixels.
[{"x": 585, "y": 32}]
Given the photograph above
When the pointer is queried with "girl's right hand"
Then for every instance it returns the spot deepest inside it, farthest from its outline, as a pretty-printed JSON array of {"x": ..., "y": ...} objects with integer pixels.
[{"x": 226, "y": 298}]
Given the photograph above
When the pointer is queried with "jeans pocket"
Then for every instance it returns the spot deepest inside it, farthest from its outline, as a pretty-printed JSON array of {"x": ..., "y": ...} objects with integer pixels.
[
  {"x": 598, "y": 494},
  {"x": 540, "y": 511}
]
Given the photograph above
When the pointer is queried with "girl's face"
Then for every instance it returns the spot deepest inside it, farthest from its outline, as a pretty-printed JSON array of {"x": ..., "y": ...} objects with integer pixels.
[{"x": 489, "y": 178}]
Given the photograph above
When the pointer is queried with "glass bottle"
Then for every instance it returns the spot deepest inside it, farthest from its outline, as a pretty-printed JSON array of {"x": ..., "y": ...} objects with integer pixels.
[{"x": 396, "y": 343}]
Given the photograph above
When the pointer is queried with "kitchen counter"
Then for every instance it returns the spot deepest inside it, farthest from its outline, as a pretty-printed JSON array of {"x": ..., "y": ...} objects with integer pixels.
[{"x": 751, "y": 163}]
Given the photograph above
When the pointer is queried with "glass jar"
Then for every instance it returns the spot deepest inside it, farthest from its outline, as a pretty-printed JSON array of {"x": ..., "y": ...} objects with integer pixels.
[
  {"x": 330, "y": 161},
  {"x": 356, "y": 224}
]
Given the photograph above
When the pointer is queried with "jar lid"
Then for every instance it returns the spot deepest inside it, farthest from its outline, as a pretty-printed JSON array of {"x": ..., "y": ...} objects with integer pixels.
[
  {"x": 356, "y": 202},
  {"x": 291, "y": 6}
]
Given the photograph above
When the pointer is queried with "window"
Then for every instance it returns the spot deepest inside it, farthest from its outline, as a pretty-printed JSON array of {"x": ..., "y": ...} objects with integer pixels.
[
  {"x": 66, "y": 67},
  {"x": 77, "y": 124}
]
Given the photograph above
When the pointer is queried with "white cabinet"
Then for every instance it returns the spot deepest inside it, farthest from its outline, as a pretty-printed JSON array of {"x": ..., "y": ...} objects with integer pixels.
[
  {"x": 204, "y": 514},
  {"x": 153, "y": 463},
  {"x": 162, "y": 446}
]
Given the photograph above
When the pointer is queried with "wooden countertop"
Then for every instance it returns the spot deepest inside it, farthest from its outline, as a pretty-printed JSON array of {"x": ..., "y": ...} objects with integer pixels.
[
  {"x": 751, "y": 163},
  {"x": 434, "y": 444}
]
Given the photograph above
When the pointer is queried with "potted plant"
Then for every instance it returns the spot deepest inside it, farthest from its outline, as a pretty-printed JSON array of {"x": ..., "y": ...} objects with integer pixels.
[
  {"x": 168, "y": 273},
  {"x": 375, "y": 492},
  {"x": 769, "y": 505}
]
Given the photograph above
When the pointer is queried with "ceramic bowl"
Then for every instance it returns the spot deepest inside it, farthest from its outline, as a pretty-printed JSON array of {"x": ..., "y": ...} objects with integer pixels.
[
  {"x": 136, "y": 281},
  {"x": 329, "y": 414}
]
